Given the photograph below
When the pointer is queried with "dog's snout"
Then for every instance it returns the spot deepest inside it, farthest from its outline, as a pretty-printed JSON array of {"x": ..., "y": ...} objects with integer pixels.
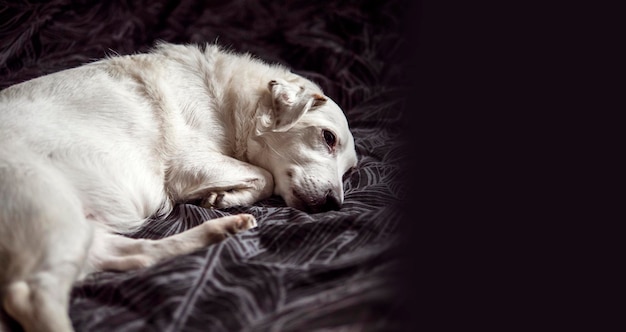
[
  {"x": 332, "y": 202},
  {"x": 328, "y": 202}
]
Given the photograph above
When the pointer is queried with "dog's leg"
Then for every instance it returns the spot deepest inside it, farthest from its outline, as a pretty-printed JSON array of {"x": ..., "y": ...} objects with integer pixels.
[
  {"x": 45, "y": 238},
  {"x": 116, "y": 252},
  {"x": 40, "y": 302},
  {"x": 220, "y": 181}
]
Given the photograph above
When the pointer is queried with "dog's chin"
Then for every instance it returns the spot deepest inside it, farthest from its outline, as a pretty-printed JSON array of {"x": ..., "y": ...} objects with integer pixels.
[
  {"x": 293, "y": 201},
  {"x": 299, "y": 201}
]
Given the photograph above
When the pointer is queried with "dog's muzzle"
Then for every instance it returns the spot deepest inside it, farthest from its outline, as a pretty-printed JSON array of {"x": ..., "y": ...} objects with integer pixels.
[{"x": 329, "y": 202}]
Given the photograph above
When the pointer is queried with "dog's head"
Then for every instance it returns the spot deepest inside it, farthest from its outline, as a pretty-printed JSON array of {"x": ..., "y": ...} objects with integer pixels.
[{"x": 303, "y": 139}]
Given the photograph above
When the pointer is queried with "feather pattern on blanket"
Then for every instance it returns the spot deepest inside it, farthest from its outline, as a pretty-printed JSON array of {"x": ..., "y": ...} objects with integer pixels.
[{"x": 296, "y": 271}]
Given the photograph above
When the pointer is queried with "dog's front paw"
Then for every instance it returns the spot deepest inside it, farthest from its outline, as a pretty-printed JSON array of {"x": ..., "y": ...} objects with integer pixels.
[
  {"x": 237, "y": 223},
  {"x": 214, "y": 200},
  {"x": 245, "y": 195},
  {"x": 246, "y": 222},
  {"x": 241, "y": 222}
]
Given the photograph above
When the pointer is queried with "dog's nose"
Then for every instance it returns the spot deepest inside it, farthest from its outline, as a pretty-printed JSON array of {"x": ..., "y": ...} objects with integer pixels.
[{"x": 332, "y": 202}]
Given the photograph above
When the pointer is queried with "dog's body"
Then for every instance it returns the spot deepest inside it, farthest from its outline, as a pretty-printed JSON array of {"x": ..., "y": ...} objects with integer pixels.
[{"x": 94, "y": 151}]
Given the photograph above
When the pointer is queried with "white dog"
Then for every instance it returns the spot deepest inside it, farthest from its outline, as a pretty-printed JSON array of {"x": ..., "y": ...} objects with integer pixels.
[{"x": 91, "y": 152}]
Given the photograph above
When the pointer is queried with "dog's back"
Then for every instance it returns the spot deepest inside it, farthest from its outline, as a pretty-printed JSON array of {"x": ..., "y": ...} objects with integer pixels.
[
  {"x": 74, "y": 144},
  {"x": 94, "y": 130}
]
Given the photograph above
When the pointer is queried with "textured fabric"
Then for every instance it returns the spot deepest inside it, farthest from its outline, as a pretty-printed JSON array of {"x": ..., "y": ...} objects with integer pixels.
[{"x": 295, "y": 271}]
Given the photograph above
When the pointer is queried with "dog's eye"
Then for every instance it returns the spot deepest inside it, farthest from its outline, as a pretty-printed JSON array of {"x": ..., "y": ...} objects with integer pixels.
[{"x": 330, "y": 138}]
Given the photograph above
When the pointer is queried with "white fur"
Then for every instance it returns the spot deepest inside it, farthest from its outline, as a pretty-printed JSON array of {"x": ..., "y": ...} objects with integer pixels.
[{"x": 93, "y": 151}]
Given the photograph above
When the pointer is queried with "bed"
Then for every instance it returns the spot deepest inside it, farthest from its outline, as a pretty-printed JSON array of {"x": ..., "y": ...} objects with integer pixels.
[{"x": 295, "y": 271}]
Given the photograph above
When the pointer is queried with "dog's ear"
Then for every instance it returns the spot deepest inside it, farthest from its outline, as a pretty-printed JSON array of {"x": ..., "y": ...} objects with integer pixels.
[{"x": 290, "y": 102}]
